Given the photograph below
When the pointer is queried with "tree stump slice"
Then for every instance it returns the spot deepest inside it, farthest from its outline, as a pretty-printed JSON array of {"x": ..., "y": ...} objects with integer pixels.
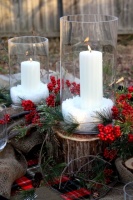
[{"x": 76, "y": 149}]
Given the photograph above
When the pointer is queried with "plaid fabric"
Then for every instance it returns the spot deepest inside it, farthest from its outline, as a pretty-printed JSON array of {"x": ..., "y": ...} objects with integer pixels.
[
  {"x": 68, "y": 188},
  {"x": 76, "y": 194},
  {"x": 32, "y": 163},
  {"x": 26, "y": 181}
]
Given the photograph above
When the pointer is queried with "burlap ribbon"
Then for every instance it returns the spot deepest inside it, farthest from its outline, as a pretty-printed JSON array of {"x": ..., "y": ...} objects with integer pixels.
[{"x": 13, "y": 164}]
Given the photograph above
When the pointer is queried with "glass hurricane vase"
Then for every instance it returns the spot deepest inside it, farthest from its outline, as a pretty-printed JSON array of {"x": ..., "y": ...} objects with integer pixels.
[
  {"x": 88, "y": 65},
  {"x": 28, "y": 62}
]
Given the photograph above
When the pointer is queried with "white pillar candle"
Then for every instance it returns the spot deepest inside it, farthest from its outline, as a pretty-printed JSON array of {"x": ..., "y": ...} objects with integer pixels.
[
  {"x": 30, "y": 75},
  {"x": 91, "y": 81}
]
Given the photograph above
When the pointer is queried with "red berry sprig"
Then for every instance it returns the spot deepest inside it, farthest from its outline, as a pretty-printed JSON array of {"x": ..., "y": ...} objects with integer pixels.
[
  {"x": 54, "y": 89},
  {"x": 28, "y": 105},
  {"x": 74, "y": 87},
  {"x": 130, "y": 89},
  {"x": 130, "y": 137},
  {"x": 5, "y": 120},
  {"x": 110, "y": 154},
  {"x": 115, "y": 112},
  {"x": 50, "y": 101},
  {"x": 109, "y": 133},
  {"x": 108, "y": 172},
  {"x": 33, "y": 116}
]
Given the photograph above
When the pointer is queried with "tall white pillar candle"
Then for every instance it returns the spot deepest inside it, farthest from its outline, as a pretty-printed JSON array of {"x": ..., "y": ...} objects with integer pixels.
[
  {"x": 30, "y": 75},
  {"x": 91, "y": 81}
]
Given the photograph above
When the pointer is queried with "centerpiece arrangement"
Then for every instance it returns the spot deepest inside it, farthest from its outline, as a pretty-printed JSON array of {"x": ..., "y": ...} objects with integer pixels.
[
  {"x": 115, "y": 132},
  {"x": 80, "y": 119}
]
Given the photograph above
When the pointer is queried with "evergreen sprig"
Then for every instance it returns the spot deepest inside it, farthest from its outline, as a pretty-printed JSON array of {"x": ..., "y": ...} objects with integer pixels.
[
  {"x": 52, "y": 117},
  {"x": 27, "y": 195},
  {"x": 51, "y": 169},
  {"x": 22, "y": 130},
  {"x": 105, "y": 117}
]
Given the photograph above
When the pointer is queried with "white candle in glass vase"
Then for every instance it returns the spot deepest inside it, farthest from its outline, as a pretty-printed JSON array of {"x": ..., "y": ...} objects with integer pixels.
[
  {"x": 91, "y": 81},
  {"x": 30, "y": 75}
]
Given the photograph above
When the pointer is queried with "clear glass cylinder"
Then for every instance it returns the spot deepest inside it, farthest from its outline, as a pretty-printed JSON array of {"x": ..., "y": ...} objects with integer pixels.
[
  {"x": 29, "y": 67},
  {"x": 128, "y": 191},
  {"x": 3, "y": 127},
  {"x": 88, "y": 58}
]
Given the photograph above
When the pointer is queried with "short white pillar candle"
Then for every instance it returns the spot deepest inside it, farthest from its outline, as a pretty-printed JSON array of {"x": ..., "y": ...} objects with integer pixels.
[
  {"x": 30, "y": 75},
  {"x": 31, "y": 87}
]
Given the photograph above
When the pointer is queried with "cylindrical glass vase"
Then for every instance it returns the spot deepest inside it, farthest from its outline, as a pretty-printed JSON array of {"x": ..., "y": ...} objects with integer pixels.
[
  {"x": 3, "y": 127},
  {"x": 128, "y": 191},
  {"x": 29, "y": 67},
  {"x": 88, "y": 58}
]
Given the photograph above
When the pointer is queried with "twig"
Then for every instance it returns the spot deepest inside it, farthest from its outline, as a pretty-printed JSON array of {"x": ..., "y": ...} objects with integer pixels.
[
  {"x": 90, "y": 156},
  {"x": 16, "y": 116},
  {"x": 89, "y": 180}
]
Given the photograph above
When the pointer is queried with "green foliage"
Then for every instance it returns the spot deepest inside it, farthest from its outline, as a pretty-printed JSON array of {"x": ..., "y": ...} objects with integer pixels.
[
  {"x": 105, "y": 117},
  {"x": 22, "y": 130},
  {"x": 3, "y": 70},
  {"x": 5, "y": 97},
  {"x": 26, "y": 195},
  {"x": 125, "y": 149},
  {"x": 51, "y": 169}
]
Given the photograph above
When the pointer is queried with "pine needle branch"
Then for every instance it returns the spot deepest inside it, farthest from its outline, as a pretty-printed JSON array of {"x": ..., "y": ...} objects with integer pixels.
[
  {"x": 104, "y": 117},
  {"x": 52, "y": 116}
]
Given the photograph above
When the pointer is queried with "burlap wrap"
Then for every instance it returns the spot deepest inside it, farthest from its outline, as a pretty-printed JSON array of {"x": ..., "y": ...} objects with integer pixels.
[
  {"x": 27, "y": 143},
  {"x": 13, "y": 164}
]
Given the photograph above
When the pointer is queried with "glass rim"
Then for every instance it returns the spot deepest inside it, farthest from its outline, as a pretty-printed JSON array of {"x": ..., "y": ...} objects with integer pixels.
[
  {"x": 14, "y": 40},
  {"x": 112, "y": 18},
  {"x": 124, "y": 188}
]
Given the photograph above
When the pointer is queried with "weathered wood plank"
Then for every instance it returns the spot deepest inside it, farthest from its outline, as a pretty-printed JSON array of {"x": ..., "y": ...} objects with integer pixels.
[
  {"x": 42, "y": 16},
  {"x": 6, "y": 15},
  {"x": 15, "y": 16},
  {"x": 29, "y": 16},
  {"x": 35, "y": 15},
  {"x": 120, "y": 8}
]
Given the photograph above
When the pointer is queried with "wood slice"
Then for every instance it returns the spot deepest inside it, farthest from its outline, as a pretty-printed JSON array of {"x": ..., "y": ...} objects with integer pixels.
[
  {"x": 129, "y": 163},
  {"x": 76, "y": 149}
]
